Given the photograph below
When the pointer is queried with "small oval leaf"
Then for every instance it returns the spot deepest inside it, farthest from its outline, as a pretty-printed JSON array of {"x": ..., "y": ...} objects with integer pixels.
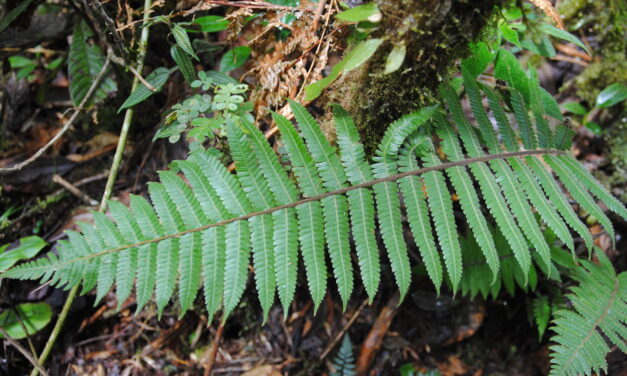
[
  {"x": 395, "y": 58},
  {"x": 28, "y": 248},
  {"x": 211, "y": 24},
  {"x": 184, "y": 63},
  {"x": 30, "y": 316},
  {"x": 234, "y": 58},
  {"x": 611, "y": 95},
  {"x": 182, "y": 39},
  {"x": 366, "y": 12}
]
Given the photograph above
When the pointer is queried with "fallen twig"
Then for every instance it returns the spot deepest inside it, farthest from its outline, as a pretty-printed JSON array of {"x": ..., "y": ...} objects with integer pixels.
[
  {"x": 24, "y": 352},
  {"x": 73, "y": 190},
  {"x": 339, "y": 335},
  {"x": 211, "y": 357},
  {"x": 374, "y": 340},
  {"x": 66, "y": 126}
]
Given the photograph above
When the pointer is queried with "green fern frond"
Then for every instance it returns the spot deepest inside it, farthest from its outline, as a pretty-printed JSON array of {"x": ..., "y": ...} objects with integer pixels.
[
  {"x": 203, "y": 222},
  {"x": 599, "y": 308}
]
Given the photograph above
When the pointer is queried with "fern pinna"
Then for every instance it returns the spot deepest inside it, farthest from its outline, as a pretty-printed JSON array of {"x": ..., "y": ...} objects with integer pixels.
[{"x": 201, "y": 231}]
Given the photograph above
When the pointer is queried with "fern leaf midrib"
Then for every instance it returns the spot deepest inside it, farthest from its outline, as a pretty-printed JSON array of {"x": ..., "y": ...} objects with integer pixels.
[{"x": 368, "y": 184}]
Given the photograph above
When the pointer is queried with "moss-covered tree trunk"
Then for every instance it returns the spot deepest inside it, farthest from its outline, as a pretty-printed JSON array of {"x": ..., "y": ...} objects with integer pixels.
[{"x": 435, "y": 33}]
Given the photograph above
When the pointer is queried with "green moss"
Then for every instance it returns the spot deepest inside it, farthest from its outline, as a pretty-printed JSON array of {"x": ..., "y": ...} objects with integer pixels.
[
  {"x": 602, "y": 18},
  {"x": 610, "y": 69},
  {"x": 605, "y": 21},
  {"x": 436, "y": 34}
]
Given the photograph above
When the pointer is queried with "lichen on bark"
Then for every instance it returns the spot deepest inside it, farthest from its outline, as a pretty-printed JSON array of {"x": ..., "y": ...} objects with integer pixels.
[{"x": 435, "y": 33}]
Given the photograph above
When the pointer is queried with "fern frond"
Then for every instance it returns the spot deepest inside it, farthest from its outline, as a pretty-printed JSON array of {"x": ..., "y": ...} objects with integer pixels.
[
  {"x": 599, "y": 309},
  {"x": 344, "y": 362},
  {"x": 203, "y": 221},
  {"x": 147, "y": 254},
  {"x": 127, "y": 261},
  {"x": 285, "y": 239},
  {"x": 554, "y": 194},
  {"x": 167, "y": 259},
  {"x": 545, "y": 135},
  {"x": 588, "y": 181}
]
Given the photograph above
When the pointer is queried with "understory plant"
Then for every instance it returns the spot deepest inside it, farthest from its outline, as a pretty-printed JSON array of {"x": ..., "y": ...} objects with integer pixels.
[{"x": 507, "y": 169}]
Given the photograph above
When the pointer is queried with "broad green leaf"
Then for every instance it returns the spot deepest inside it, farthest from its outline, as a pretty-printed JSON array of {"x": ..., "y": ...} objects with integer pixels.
[
  {"x": 184, "y": 63},
  {"x": 509, "y": 34},
  {"x": 234, "y": 58},
  {"x": 34, "y": 317},
  {"x": 366, "y": 12},
  {"x": 612, "y": 95},
  {"x": 210, "y": 24},
  {"x": 563, "y": 34},
  {"x": 182, "y": 40},
  {"x": 575, "y": 108},
  {"x": 84, "y": 64},
  {"x": 157, "y": 79},
  {"x": 13, "y": 14},
  {"x": 395, "y": 58},
  {"x": 28, "y": 248}
]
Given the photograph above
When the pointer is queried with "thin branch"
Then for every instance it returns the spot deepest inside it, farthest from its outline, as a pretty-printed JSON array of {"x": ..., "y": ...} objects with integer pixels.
[
  {"x": 73, "y": 190},
  {"x": 294, "y": 204},
  {"x": 211, "y": 358},
  {"x": 344, "y": 330},
  {"x": 66, "y": 126},
  {"x": 24, "y": 352}
]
